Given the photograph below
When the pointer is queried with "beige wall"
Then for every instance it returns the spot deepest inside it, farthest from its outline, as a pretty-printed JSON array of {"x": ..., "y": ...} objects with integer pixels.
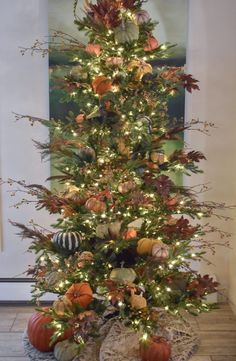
[
  {"x": 212, "y": 60},
  {"x": 23, "y": 89}
]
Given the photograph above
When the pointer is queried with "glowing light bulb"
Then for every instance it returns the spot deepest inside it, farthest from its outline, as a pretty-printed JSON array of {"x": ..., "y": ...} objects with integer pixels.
[
  {"x": 145, "y": 337},
  {"x": 200, "y": 214},
  {"x": 163, "y": 47}
]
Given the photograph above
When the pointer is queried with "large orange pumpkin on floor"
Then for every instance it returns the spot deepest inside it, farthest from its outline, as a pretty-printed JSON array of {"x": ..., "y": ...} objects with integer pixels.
[
  {"x": 157, "y": 349},
  {"x": 80, "y": 293},
  {"x": 40, "y": 336}
]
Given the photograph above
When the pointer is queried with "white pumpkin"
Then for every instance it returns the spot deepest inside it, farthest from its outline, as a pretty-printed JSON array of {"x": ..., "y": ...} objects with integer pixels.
[
  {"x": 123, "y": 275},
  {"x": 160, "y": 251},
  {"x": 65, "y": 350}
]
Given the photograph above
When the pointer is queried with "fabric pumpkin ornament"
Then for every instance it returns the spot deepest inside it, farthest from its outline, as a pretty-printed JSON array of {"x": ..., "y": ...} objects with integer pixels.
[
  {"x": 62, "y": 306},
  {"x": 114, "y": 229},
  {"x": 94, "y": 49},
  {"x": 126, "y": 33},
  {"x": 102, "y": 231},
  {"x": 69, "y": 241},
  {"x": 101, "y": 85},
  {"x": 114, "y": 61},
  {"x": 145, "y": 245},
  {"x": 155, "y": 349},
  {"x": 87, "y": 155},
  {"x": 85, "y": 258},
  {"x": 160, "y": 251},
  {"x": 126, "y": 187},
  {"x": 123, "y": 275},
  {"x": 77, "y": 196},
  {"x": 130, "y": 233},
  {"x": 142, "y": 17},
  {"x": 65, "y": 350},
  {"x": 78, "y": 73},
  {"x": 80, "y": 293},
  {"x": 171, "y": 202},
  {"x": 108, "y": 230},
  {"x": 137, "y": 301},
  {"x": 159, "y": 158},
  {"x": 93, "y": 204},
  {"x": 54, "y": 278},
  {"x": 141, "y": 67},
  {"x": 122, "y": 147},
  {"x": 151, "y": 44},
  {"x": 40, "y": 336}
]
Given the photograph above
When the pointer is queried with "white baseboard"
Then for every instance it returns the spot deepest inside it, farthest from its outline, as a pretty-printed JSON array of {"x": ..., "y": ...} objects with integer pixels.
[{"x": 20, "y": 291}]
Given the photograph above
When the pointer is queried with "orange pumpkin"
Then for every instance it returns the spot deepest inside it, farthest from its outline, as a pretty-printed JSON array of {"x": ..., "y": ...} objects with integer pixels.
[
  {"x": 101, "y": 85},
  {"x": 126, "y": 187},
  {"x": 130, "y": 233},
  {"x": 95, "y": 205},
  {"x": 40, "y": 336},
  {"x": 80, "y": 293},
  {"x": 157, "y": 348}
]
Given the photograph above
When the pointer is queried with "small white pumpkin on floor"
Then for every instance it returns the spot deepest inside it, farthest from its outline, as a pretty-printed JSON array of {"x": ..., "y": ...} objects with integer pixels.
[{"x": 65, "y": 350}]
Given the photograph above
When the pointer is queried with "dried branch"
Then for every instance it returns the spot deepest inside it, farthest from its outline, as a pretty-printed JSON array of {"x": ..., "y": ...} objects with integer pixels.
[
  {"x": 58, "y": 41},
  {"x": 26, "y": 232},
  {"x": 32, "y": 119}
]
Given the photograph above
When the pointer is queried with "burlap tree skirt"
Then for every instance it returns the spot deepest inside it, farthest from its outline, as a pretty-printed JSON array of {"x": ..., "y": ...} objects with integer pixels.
[{"x": 119, "y": 343}]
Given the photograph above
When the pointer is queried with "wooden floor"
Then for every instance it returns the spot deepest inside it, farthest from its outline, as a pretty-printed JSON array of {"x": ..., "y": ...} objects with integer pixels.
[{"x": 217, "y": 331}]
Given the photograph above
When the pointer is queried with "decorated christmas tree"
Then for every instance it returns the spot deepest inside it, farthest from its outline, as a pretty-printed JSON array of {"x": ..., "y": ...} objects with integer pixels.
[{"x": 127, "y": 232}]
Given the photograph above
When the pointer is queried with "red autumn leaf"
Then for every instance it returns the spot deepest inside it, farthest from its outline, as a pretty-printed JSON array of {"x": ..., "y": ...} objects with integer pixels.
[
  {"x": 202, "y": 285},
  {"x": 189, "y": 83},
  {"x": 181, "y": 229},
  {"x": 105, "y": 13}
]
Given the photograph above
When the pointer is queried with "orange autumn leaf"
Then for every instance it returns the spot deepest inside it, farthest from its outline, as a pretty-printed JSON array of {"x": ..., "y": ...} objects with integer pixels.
[
  {"x": 94, "y": 49},
  {"x": 101, "y": 85},
  {"x": 80, "y": 118},
  {"x": 151, "y": 44},
  {"x": 141, "y": 68}
]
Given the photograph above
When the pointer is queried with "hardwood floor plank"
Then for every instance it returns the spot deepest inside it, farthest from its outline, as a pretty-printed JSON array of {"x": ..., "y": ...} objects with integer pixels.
[
  {"x": 20, "y": 322},
  {"x": 6, "y": 321},
  {"x": 16, "y": 309},
  {"x": 11, "y": 345},
  {"x": 198, "y": 358},
  {"x": 218, "y": 324},
  {"x": 223, "y": 358},
  {"x": 14, "y": 359},
  {"x": 217, "y": 343},
  {"x": 193, "y": 320}
]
